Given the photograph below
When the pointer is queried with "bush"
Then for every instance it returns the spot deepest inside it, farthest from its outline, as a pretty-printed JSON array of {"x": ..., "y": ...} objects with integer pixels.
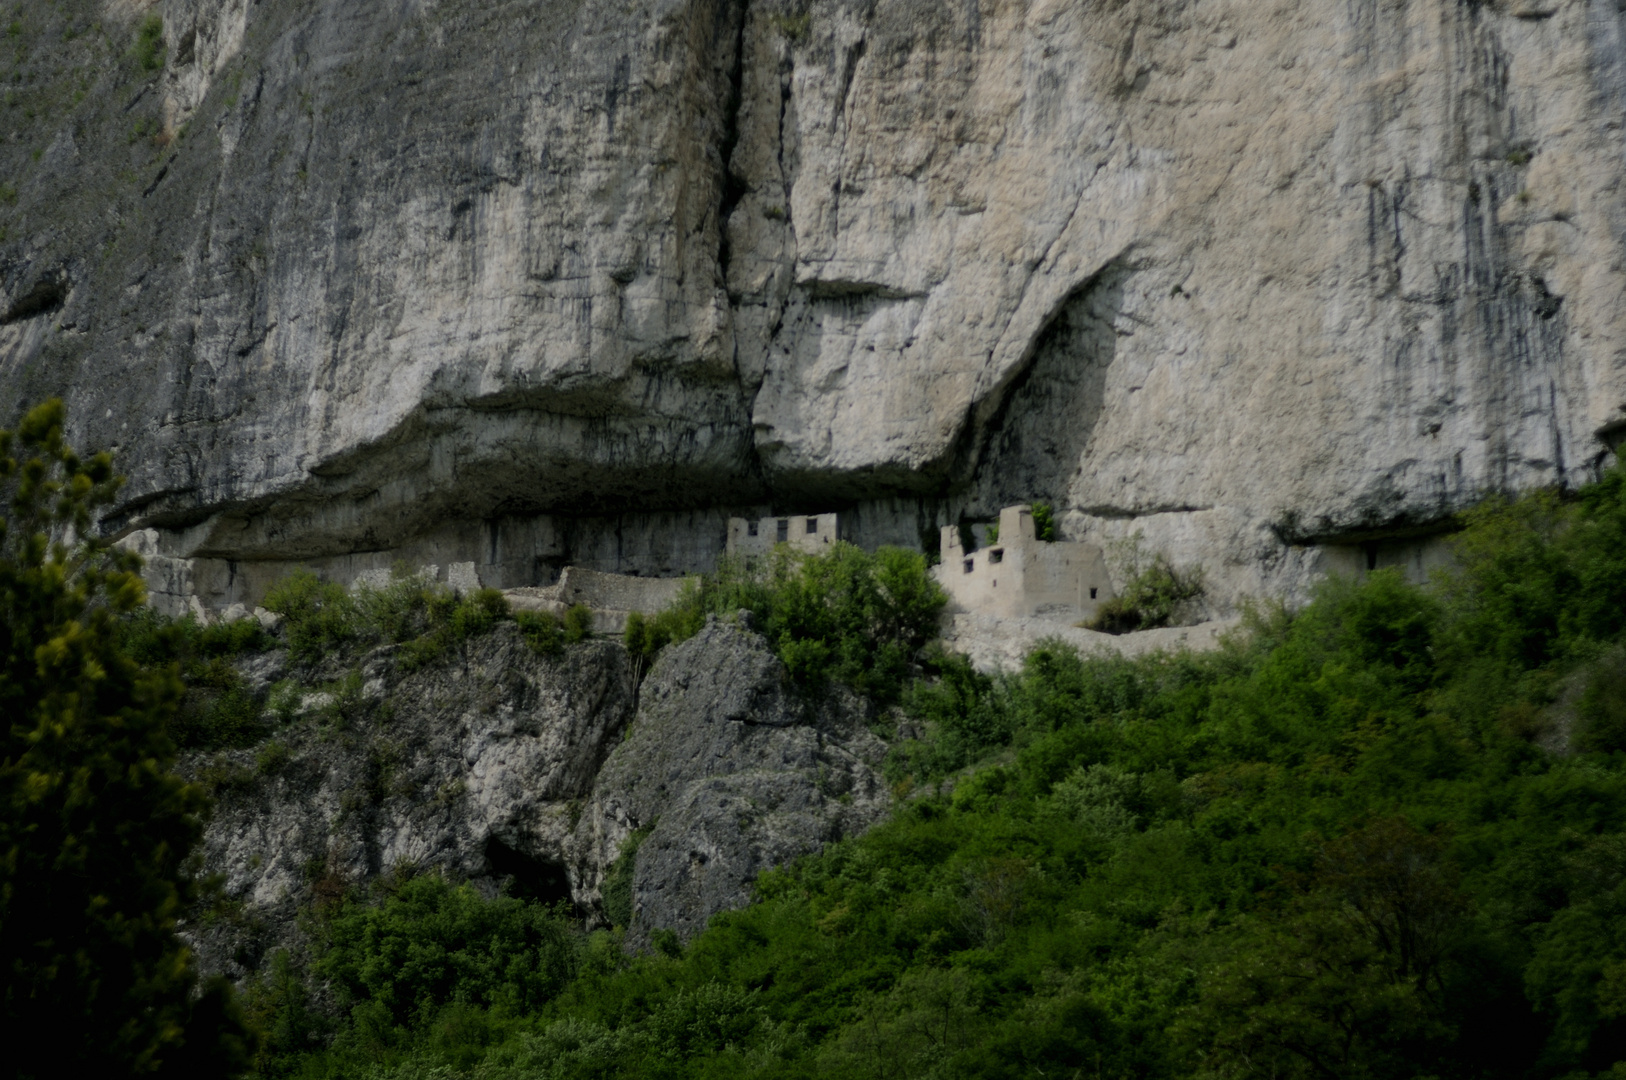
[
  {"x": 149, "y": 47},
  {"x": 1153, "y": 593},
  {"x": 858, "y": 618},
  {"x": 1044, "y": 522},
  {"x": 1319, "y": 851},
  {"x": 318, "y": 617},
  {"x": 647, "y": 635},
  {"x": 616, "y": 892},
  {"x": 965, "y": 718},
  {"x": 217, "y": 711},
  {"x": 578, "y": 623},
  {"x": 423, "y": 617},
  {"x": 541, "y": 631}
]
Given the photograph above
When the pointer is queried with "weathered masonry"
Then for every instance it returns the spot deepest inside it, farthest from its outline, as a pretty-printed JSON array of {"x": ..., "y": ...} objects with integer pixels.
[
  {"x": 1022, "y": 575},
  {"x": 811, "y": 533}
]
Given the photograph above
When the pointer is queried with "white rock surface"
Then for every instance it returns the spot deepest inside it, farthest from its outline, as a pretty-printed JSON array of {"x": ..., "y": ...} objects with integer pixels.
[{"x": 1252, "y": 277}]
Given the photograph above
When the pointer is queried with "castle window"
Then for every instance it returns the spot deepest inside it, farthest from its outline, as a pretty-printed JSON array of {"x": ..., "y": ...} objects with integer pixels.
[
  {"x": 750, "y": 528},
  {"x": 784, "y": 530},
  {"x": 996, "y": 556},
  {"x": 813, "y": 525},
  {"x": 1092, "y": 594},
  {"x": 970, "y": 564}
]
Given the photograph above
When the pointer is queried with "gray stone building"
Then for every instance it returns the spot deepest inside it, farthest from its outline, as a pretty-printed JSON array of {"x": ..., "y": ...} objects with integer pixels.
[{"x": 1021, "y": 575}]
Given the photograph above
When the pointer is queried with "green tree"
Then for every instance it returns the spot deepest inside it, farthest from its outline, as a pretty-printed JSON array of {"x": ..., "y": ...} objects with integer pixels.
[{"x": 95, "y": 829}]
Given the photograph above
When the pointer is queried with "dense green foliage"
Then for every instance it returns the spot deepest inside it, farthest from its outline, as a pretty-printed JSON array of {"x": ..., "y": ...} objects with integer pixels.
[
  {"x": 217, "y": 709},
  {"x": 437, "y": 944},
  {"x": 1044, "y": 522},
  {"x": 548, "y": 634},
  {"x": 425, "y": 618},
  {"x": 95, "y": 829},
  {"x": 858, "y": 618},
  {"x": 1384, "y": 837}
]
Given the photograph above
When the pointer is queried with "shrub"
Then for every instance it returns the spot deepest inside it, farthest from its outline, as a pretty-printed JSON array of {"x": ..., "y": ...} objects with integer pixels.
[
  {"x": 318, "y": 617},
  {"x": 541, "y": 631},
  {"x": 215, "y": 719},
  {"x": 450, "y": 622},
  {"x": 616, "y": 892},
  {"x": 965, "y": 719},
  {"x": 845, "y": 614},
  {"x": 149, "y": 47},
  {"x": 647, "y": 635},
  {"x": 1044, "y": 522},
  {"x": 1153, "y": 593},
  {"x": 1602, "y": 711},
  {"x": 1311, "y": 853},
  {"x": 423, "y": 617},
  {"x": 217, "y": 710},
  {"x": 578, "y": 623}
]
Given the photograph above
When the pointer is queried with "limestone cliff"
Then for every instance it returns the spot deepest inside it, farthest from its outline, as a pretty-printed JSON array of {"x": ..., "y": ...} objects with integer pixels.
[{"x": 539, "y": 281}]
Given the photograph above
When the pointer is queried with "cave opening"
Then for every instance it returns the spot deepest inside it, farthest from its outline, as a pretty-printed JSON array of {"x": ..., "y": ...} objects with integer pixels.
[{"x": 527, "y": 877}]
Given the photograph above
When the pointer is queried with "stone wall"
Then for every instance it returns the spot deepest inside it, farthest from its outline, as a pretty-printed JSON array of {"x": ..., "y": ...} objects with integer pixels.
[
  {"x": 1020, "y": 576},
  {"x": 810, "y": 533}
]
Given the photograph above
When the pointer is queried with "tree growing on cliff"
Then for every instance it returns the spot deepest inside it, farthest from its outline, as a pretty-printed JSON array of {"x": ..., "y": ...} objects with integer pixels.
[{"x": 95, "y": 828}]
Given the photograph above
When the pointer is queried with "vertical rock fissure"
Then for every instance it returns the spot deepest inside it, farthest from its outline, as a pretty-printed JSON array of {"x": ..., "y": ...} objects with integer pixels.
[{"x": 732, "y": 187}]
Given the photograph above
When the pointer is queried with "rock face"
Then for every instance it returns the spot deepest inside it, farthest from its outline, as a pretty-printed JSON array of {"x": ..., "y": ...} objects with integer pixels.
[
  {"x": 733, "y": 772},
  {"x": 510, "y": 769},
  {"x": 558, "y": 280}
]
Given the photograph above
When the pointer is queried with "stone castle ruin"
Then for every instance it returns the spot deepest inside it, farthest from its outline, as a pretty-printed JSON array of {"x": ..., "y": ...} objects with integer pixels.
[
  {"x": 1021, "y": 576},
  {"x": 811, "y": 533},
  {"x": 612, "y": 597}
]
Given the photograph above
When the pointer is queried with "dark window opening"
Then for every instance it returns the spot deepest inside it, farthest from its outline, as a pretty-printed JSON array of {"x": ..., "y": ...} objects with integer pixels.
[
  {"x": 813, "y": 525},
  {"x": 1092, "y": 594},
  {"x": 526, "y": 876},
  {"x": 1371, "y": 556},
  {"x": 750, "y": 528},
  {"x": 784, "y": 530},
  {"x": 997, "y": 555},
  {"x": 970, "y": 564}
]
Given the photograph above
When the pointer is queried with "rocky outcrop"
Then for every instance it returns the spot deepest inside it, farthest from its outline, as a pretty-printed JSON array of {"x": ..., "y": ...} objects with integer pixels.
[
  {"x": 528, "y": 284},
  {"x": 732, "y": 770},
  {"x": 529, "y": 773},
  {"x": 473, "y": 766}
]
